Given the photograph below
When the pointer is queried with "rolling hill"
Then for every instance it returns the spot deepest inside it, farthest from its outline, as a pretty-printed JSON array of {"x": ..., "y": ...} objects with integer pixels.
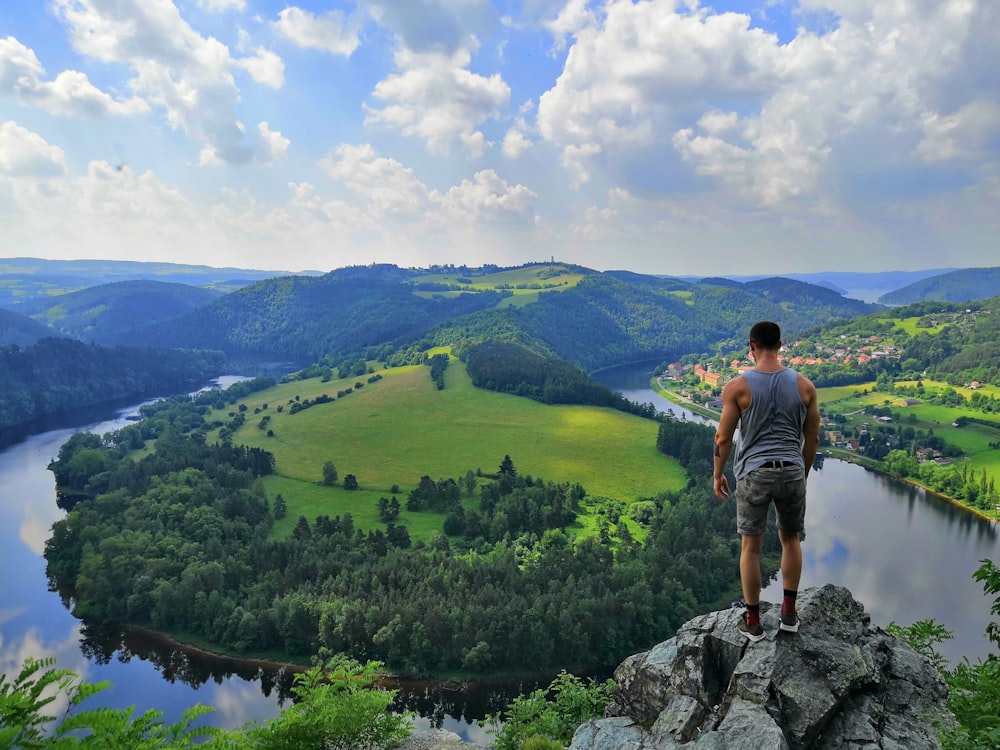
[
  {"x": 26, "y": 279},
  {"x": 108, "y": 313},
  {"x": 587, "y": 318},
  {"x": 20, "y": 330},
  {"x": 964, "y": 285}
]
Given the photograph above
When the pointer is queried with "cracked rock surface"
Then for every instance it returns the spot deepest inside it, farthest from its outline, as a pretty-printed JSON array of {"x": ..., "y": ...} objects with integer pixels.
[{"x": 838, "y": 683}]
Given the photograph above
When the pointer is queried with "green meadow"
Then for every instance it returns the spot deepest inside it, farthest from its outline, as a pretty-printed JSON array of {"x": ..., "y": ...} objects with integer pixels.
[
  {"x": 525, "y": 283},
  {"x": 909, "y": 325},
  {"x": 397, "y": 429},
  {"x": 972, "y": 439}
]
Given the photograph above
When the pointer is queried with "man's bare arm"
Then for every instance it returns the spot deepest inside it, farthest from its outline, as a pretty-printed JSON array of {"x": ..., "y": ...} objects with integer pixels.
[
  {"x": 724, "y": 435},
  {"x": 810, "y": 430}
]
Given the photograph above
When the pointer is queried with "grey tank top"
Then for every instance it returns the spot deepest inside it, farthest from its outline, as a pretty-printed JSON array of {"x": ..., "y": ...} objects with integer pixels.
[{"x": 771, "y": 427}]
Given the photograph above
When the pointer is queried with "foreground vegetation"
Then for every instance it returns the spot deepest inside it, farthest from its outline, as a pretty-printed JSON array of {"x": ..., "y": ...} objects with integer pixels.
[
  {"x": 336, "y": 706},
  {"x": 974, "y": 696}
]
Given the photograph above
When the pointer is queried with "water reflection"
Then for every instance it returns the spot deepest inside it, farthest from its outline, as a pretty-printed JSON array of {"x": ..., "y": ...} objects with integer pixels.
[
  {"x": 905, "y": 554},
  {"x": 457, "y": 707}
]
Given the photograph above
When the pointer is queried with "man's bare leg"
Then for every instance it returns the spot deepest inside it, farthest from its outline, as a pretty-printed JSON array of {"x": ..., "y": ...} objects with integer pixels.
[
  {"x": 791, "y": 560},
  {"x": 750, "y": 568},
  {"x": 791, "y": 572}
]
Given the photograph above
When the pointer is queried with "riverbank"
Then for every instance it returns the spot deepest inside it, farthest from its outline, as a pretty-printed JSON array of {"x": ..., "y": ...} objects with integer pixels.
[
  {"x": 839, "y": 453},
  {"x": 684, "y": 403},
  {"x": 200, "y": 663}
]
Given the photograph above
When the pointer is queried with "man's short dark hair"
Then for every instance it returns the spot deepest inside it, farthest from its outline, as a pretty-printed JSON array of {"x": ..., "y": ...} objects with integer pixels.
[{"x": 766, "y": 335}]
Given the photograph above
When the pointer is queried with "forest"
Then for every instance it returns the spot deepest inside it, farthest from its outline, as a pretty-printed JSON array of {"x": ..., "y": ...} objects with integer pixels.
[
  {"x": 57, "y": 375},
  {"x": 179, "y": 540}
]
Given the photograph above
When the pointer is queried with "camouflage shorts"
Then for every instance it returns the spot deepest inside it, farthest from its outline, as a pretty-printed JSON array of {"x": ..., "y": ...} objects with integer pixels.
[{"x": 785, "y": 487}]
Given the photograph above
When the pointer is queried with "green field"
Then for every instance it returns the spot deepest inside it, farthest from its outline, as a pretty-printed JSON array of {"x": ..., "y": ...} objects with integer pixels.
[
  {"x": 973, "y": 439},
  {"x": 909, "y": 325},
  {"x": 400, "y": 428},
  {"x": 525, "y": 283}
]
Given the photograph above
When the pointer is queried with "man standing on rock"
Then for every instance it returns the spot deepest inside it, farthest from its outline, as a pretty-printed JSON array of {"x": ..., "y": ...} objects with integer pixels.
[{"x": 777, "y": 412}]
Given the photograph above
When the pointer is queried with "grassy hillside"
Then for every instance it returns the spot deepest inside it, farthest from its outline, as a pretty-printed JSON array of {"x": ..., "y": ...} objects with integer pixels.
[
  {"x": 524, "y": 284},
  {"x": 395, "y": 430}
]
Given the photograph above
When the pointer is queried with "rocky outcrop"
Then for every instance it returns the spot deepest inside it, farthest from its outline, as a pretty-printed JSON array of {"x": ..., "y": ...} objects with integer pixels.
[{"x": 837, "y": 683}]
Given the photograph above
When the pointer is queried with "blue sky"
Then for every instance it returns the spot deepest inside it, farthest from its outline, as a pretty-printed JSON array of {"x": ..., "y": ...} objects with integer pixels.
[{"x": 660, "y": 136}]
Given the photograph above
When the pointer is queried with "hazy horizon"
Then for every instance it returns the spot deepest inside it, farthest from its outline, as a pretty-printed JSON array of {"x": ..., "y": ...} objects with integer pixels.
[{"x": 668, "y": 137}]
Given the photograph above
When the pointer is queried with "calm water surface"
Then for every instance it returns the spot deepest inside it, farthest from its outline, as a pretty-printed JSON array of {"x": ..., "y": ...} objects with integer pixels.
[{"x": 904, "y": 554}]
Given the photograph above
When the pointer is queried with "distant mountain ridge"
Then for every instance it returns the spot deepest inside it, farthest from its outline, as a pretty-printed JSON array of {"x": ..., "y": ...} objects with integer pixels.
[
  {"x": 25, "y": 279},
  {"x": 343, "y": 312},
  {"x": 963, "y": 285},
  {"x": 585, "y": 317},
  {"x": 867, "y": 286},
  {"x": 106, "y": 314}
]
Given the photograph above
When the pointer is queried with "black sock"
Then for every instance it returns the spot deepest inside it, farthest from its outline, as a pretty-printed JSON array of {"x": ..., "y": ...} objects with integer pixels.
[
  {"x": 753, "y": 614},
  {"x": 788, "y": 605}
]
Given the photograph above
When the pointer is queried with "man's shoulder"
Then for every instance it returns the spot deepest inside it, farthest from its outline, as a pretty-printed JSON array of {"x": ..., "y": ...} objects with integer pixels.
[{"x": 735, "y": 384}]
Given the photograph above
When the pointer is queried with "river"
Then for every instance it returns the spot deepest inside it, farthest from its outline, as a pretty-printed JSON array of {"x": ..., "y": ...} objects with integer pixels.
[{"x": 906, "y": 555}]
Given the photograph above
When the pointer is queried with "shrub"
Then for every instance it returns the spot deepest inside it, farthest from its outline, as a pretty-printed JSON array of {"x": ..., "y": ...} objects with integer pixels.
[
  {"x": 536, "y": 716},
  {"x": 337, "y": 707}
]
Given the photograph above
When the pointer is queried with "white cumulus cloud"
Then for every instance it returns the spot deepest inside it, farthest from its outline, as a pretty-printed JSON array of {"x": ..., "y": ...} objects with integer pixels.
[
  {"x": 330, "y": 31},
  {"x": 487, "y": 197},
  {"x": 220, "y": 6},
  {"x": 436, "y": 97},
  {"x": 26, "y": 154},
  {"x": 770, "y": 122},
  {"x": 71, "y": 93},
  {"x": 264, "y": 66},
  {"x": 188, "y": 76},
  {"x": 387, "y": 186}
]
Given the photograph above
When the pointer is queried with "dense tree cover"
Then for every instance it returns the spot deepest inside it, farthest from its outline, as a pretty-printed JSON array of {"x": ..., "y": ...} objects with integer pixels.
[
  {"x": 20, "y": 330},
  {"x": 56, "y": 375},
  {"x": 104, "y": 314},
  {"x": 438, "y": 364},
  {"x": 954, "y": 480},
  {"x": 614, "y": 318},
  {"x": 685, "y": 441},
  {"x": 179, "y": 541},
  {"x": 962, "y": 285},
  {"x": 341, "y": 313},
  {"x": 374, "y": 311},
  {"x": 512, "y": 368}
]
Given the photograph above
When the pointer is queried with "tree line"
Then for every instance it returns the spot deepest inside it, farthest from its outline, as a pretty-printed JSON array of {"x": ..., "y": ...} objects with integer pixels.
[
  {"x": 56, "y": 375},
  {"x": 513, "y": 368}
]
